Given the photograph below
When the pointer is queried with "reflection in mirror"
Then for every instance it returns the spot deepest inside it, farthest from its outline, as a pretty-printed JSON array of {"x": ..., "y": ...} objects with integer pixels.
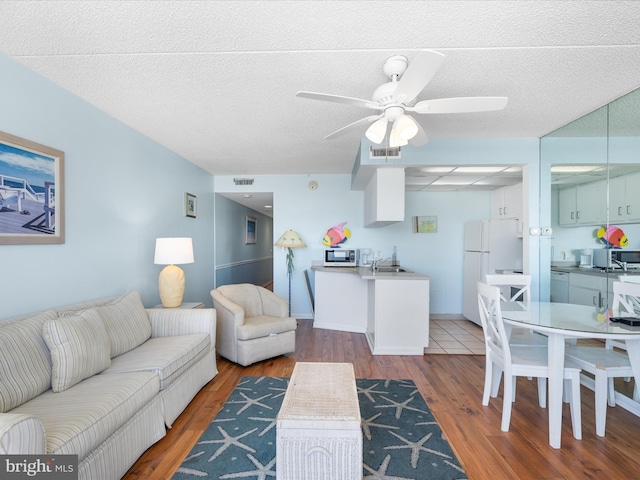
[{"x": 590, "y": 184}]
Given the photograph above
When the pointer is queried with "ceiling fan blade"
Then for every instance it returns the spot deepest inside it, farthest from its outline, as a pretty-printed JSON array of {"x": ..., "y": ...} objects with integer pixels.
[
  {"x": 421, "y": 137},
  {"x": 353, "y": 126},
  {"x": 460, "y": 105},
  {"x": 419, "y": 72},
  {"x": 327, "y": 97}
]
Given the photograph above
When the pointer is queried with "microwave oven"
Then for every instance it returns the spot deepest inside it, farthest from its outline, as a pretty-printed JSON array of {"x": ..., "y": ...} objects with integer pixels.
[
  {"x": 340, "y": 257},
  {"x": 613, "y": 258}
]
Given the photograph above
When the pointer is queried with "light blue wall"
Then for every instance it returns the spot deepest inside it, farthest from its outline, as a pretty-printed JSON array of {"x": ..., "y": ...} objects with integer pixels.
[
  {"x": 236, "y": 261},
  {"x": 311, "y": 212},
  {"x": 122, "y": 191}
]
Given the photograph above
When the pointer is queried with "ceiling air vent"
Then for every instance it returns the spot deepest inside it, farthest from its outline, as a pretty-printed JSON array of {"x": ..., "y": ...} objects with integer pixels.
[
  {"x": 243, "y": 181},
  {"x": 384, "y": 152}
]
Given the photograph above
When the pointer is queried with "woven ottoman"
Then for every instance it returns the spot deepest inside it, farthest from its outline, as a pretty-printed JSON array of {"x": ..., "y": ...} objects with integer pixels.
[{"x": 318, "y": 428}]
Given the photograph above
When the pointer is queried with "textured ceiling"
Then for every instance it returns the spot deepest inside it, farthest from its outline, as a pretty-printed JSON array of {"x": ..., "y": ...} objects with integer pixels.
[{"x": 215, "y": 82}]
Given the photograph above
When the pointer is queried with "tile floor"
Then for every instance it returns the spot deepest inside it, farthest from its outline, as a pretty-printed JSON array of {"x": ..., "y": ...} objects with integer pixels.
[
  {"x": 455, "y": 337},
  {"x": 462, "y": 337}
]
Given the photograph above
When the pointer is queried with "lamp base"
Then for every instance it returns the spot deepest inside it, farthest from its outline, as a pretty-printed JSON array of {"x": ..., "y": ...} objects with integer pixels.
[{"x": 171, "y": 286}]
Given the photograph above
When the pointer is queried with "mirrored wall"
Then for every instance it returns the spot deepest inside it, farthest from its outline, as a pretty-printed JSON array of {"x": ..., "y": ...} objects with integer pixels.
[{"x": 590, "y": 196}]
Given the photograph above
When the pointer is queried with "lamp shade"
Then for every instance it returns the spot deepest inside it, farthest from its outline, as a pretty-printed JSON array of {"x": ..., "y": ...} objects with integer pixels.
[
  {"x": 377, "y": 130},
  {"x": 173, "y": 251},
  {"x": 406, "y": 127},
  {"x": 395, "y": 140},
  {"x": 290, "y": 239}
]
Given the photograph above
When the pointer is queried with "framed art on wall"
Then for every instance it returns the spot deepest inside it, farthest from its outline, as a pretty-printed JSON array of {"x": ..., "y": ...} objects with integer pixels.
[
  {"x": 190, "y": 205},
  {"x": 31, "y": 192},
  {"x": 251, "y": 230}
]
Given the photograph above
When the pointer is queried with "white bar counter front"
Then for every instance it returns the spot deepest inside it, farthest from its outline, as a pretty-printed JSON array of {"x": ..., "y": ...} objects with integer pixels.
[{"x": 391, "y": 308}]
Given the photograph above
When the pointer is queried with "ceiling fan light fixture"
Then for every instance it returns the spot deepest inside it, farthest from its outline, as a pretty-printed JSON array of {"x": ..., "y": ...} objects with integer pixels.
[
  {"x": 406, "y": 127},
  {"x": 395, "y": 140},
  {"x": 377, "y": 131}
]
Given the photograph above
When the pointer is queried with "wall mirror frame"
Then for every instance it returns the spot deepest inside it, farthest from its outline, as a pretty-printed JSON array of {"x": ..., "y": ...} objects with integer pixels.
[{"x": 589, "y": 176}]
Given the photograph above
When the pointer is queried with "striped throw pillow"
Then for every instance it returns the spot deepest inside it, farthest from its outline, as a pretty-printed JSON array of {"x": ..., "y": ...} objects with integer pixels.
[
  {"x": 79, "y": 347},
  {"x": 25, "y": 362},
  {"x": 126, "y": 321}
]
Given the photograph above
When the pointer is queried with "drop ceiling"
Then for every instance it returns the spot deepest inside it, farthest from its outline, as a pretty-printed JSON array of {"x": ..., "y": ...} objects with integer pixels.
[{"x": 215, "y": 82}]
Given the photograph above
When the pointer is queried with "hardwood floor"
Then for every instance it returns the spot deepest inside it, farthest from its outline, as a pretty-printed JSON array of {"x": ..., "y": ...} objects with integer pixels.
[{"x": 452, "y": 386}]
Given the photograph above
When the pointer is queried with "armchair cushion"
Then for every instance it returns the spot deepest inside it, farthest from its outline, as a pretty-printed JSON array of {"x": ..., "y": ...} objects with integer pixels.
[{"x": 264, "y": 326}]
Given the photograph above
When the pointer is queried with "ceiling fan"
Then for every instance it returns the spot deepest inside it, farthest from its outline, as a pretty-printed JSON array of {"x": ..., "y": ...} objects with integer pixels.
[{"x": 395, "y": 98}]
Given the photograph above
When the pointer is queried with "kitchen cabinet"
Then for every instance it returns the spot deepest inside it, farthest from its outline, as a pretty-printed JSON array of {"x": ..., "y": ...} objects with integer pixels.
[
  {"x": 560, "y": 287},
  {"x": 567, "y": 206},
  {"x": 583, "y": 205},
  {"x": 506, "y": 202},
  {"x": 587, "y": 289},
  {"x": 384, "y": 198},
  {"x": 624, "y": 199}
]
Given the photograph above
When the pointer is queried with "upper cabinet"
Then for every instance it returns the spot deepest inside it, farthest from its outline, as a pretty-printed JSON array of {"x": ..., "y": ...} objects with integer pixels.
[
  {"x": 506, "y": 202},
  {"x": 384, "y": 198},
  {"x": 624, "y": 199},
  {"x": 583, "y": 204}
]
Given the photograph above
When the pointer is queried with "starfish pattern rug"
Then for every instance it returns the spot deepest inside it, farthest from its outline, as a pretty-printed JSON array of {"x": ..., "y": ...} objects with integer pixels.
[{"x": 401, "y": 439}]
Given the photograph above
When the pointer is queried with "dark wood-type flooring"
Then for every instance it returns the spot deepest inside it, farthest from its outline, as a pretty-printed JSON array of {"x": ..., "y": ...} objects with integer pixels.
[{"x": 452, "y": 386}]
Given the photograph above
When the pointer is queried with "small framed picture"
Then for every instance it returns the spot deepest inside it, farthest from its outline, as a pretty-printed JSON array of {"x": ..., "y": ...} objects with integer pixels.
[
  {"x": 190, "y": 205},
  {"x": 251, "y": 230},
  {"x": 426, "y": 224}
]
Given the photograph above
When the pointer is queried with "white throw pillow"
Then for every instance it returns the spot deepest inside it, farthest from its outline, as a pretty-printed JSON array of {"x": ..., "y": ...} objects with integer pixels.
[
  {"x": 126, "y": 321},
  {"x": 79, "y": 347}
]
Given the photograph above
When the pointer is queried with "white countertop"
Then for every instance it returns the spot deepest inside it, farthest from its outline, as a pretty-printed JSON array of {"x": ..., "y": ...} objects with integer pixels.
[{"x": 367, "y": 274}]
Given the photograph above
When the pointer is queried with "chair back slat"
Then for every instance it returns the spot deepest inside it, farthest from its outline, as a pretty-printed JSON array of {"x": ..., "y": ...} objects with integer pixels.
[
  {"x": 626, "y": 296},
  {"x": 496, "y": 340},
  {"x": 521, "y": 282}
]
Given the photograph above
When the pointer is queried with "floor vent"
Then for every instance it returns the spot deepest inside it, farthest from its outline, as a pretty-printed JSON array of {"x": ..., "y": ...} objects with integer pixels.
[
  {"x": 243, "y": 181},
  {"x": 384, "y": 152}
]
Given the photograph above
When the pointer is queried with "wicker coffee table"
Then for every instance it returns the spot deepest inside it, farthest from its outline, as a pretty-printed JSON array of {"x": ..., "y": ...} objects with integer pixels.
[{"x": 318, "y": 429}]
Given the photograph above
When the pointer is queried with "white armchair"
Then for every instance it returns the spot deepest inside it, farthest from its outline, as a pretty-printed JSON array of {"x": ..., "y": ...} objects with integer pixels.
[{"x": 253, "y": 323}]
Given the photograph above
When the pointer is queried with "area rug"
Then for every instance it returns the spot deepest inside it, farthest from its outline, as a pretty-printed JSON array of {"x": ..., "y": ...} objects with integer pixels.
[{"x": 401, "y": 439}]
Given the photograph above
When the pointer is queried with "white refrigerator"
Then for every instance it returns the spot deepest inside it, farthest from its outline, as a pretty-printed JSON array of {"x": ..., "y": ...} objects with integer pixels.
[{"x": 490, "y": 246}]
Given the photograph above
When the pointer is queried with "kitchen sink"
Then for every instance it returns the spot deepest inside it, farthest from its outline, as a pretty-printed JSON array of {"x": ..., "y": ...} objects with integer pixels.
[{"x": 390, "y": 269}]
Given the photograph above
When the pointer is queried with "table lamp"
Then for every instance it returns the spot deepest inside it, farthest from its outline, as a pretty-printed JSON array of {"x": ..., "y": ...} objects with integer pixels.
[
  {"x": 171, "y": 252},
  {"x": 290, "y": 239}
]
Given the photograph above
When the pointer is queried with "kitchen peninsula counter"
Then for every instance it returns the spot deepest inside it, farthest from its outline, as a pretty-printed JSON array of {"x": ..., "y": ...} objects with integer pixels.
[{"x": 391, "y": 308}]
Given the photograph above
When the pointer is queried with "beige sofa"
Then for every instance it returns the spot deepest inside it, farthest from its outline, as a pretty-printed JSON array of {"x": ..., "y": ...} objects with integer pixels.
[
  {"x": 102, "y": 379},
  {"x": 253, "y": 323}
]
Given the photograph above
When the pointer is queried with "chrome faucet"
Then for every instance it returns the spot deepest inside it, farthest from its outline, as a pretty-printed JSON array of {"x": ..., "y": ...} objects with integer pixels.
[{"x": 621, "y": 264}]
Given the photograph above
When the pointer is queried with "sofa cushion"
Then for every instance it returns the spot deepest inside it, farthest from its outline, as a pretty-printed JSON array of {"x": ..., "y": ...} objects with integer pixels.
[
  {"x": 25, "y": 362},
  {"x": 79, "y": 419},
  {"x": 167, "y": 357},
  {"x": 79, "y": 346},
  {"x": 263, "y": 326},
  {"x": 126, "y": 322}
]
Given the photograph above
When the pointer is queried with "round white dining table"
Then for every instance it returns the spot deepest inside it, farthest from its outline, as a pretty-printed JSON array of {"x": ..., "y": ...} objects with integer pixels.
[{"x": 560, "y": 321}]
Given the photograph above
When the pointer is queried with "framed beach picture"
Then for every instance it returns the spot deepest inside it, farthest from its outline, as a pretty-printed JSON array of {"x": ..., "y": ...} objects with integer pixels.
[
  {"x": 31, "y": 192},
  {"x": 251, "y": 230},
  {"x": 190, "y": 205}
]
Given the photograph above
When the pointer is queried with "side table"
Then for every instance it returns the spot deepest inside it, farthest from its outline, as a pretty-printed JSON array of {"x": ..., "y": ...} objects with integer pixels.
[{"x": 186, "y": 305}]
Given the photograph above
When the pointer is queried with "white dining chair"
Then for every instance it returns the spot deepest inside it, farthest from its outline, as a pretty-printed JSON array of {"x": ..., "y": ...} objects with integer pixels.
[
  {"x": 517, "y": 287},
  {"x": 606, "y": 364},
  {"x": 627, "y": 300},
  {"x": 518, "y": 361}
]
